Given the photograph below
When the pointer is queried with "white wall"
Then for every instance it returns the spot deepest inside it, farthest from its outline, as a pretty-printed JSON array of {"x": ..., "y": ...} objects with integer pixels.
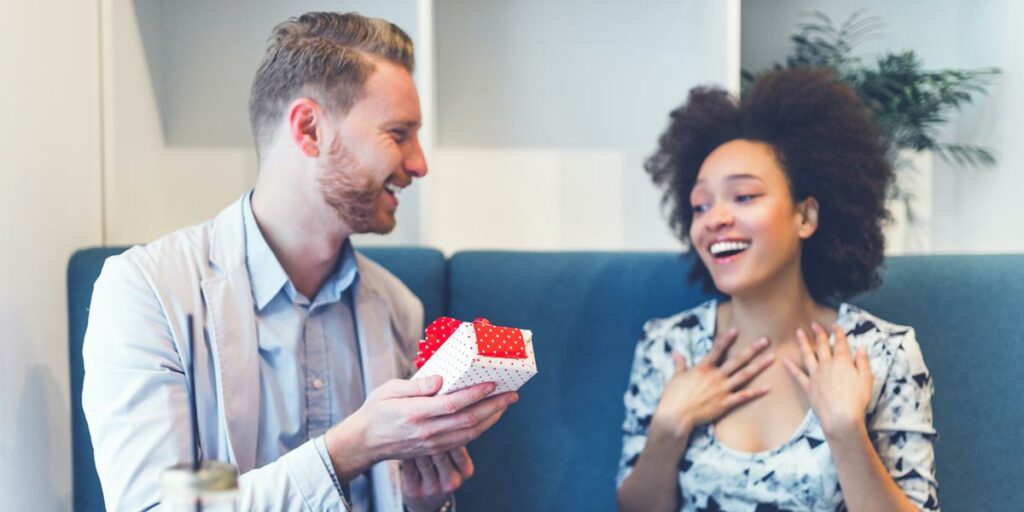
[
  {"x": 538, "y": 199},
  {"x": 152, "y": 188},
  {"x": 974, "y": 210},
  {"x": 176, "y": 86},
  {"x": 571, "y": 80},
  {"x": 982, "y": 211},
  {"x": 49, "y": 206},
  {"x": 576, "y": 77}
]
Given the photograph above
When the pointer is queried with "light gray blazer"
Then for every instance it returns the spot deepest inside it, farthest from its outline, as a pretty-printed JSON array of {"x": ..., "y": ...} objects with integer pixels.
[{"x": 135, "y": 391}]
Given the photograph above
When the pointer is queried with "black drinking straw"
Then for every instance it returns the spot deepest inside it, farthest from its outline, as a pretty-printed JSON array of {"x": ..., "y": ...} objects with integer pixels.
[
  {"x": 192, "y": 394},
  {"x": 192, "y": 401}
]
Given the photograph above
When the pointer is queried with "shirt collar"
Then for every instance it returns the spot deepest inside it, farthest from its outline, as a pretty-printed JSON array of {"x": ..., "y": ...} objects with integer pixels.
[
  {"x": 343, "y": 277},
  {"x": 267, "y": 277}
]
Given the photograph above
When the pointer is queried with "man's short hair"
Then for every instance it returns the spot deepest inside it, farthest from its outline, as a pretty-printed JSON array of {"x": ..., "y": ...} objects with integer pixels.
[{"x": 325, "y": 56}]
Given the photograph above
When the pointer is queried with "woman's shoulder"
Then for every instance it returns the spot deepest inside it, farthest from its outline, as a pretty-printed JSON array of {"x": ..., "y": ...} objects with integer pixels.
[
  {"x": 903, "y": 386},
  {"x": 686, "y": 320},
  {"x": 681, "y": 331},
  {"x": 880, "y": 337},
  {"x": 892, "y": 348}
]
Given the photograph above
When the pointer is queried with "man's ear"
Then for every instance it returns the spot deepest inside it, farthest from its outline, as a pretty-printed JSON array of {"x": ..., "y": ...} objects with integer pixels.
[
  {"x": 304, "y": 126},
  {"x": 808, "y": 214}
]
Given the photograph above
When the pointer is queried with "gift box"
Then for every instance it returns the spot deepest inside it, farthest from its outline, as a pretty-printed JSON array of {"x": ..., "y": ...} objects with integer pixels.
[{"x": 468, "y": 353}]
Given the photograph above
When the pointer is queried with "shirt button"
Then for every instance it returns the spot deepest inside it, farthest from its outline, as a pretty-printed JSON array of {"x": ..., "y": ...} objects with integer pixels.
[{"x": 317, "y": 383}]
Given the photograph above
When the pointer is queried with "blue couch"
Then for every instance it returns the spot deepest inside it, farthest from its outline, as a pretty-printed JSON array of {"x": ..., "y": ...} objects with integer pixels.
[{"x": 557, "y": 449}]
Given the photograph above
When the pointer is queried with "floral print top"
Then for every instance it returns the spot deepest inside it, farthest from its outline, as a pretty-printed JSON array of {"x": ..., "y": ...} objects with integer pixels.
[{"x": 800, "y": 473}]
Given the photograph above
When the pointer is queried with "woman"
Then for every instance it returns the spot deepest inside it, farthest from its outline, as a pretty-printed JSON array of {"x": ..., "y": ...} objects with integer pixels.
[{"x": 750, "y": 403}]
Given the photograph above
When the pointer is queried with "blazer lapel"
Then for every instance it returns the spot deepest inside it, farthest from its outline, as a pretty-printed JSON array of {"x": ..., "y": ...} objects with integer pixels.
[
  {"x": 380, "y": 363},
  {"x": 231, "y": 321}
]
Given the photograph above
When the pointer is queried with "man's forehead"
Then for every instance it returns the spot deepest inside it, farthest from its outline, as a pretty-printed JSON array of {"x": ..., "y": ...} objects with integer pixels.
[{"x": 390, "y": 91}]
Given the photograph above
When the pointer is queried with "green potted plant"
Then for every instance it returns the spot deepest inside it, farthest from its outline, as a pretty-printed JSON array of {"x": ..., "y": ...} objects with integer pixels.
[{"x": 910, "y": 104}]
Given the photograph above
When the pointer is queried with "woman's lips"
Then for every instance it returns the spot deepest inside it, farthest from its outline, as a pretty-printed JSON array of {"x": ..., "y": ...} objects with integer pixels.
[{"x": 727, "y": 250}]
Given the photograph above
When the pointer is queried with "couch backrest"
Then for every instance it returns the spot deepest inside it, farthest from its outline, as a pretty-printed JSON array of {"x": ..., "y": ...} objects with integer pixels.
[
  {"x": 558, "y": 447},
  {"x": 968, "y": 313},
  {"x": 422, "y": 270}
]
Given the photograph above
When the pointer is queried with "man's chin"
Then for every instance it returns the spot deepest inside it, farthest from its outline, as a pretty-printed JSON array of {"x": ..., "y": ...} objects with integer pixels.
[
  {"x": 384, "y": 230},
  {"x": 382, "y": 225}
]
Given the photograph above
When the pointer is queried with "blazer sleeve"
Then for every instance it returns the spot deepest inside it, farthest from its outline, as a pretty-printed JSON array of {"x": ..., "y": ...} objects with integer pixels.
[{"x": 135, "y": 397}]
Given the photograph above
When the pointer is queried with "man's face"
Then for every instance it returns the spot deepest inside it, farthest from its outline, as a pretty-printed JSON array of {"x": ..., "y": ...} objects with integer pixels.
[{"x": 373, "y": 152}]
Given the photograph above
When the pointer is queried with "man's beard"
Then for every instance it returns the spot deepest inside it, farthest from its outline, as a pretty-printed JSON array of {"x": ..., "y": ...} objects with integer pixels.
[{"x": 349, "y": 189}]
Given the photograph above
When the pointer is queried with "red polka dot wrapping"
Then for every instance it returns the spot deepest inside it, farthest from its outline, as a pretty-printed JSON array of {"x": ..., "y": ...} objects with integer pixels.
[
  {"x": 492, "y": 340},
  {"x": 437, "y": 333}
]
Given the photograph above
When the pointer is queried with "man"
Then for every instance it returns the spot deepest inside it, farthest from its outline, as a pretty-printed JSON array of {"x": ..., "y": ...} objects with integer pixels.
[{"x": 299, "y": 338}]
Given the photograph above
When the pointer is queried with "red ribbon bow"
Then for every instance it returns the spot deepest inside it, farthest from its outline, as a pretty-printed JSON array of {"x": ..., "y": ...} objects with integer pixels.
[{"x": 491, "y": 340}]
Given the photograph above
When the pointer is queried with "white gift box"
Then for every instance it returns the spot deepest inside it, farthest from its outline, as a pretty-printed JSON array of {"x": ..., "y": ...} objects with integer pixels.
[{"x": 468, "y": 353}]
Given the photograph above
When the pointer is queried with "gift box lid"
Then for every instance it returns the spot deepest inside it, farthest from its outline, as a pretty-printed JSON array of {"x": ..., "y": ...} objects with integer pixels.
[{"x": 491, "y": 340}]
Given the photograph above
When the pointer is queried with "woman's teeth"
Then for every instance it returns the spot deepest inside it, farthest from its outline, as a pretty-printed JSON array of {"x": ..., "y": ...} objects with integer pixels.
[{"x": 725, "y": 249}]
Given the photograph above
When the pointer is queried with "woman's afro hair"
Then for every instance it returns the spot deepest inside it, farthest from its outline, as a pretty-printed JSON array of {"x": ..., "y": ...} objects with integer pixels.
[{"x": 829, "y": 148}]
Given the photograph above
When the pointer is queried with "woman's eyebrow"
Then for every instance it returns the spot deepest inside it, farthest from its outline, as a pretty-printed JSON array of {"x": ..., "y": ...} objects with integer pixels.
[
  {"x": 744, "y": 176},
  {"x": 733, "y": 177}
]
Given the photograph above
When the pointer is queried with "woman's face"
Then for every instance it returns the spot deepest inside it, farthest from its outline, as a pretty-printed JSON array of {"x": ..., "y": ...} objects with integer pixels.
[{"x": 746, "y": 228}]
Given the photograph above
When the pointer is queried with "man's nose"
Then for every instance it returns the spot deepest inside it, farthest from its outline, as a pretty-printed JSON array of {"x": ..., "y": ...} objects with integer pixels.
[{"x": 415, "y": 162}]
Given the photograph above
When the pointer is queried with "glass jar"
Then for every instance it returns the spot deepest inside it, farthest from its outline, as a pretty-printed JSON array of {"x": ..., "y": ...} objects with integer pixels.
[{"x": 213, "y": 488}]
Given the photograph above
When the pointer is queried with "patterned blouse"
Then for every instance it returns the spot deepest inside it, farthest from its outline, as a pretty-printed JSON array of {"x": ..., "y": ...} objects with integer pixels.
[{"x": 799, "y": 474}]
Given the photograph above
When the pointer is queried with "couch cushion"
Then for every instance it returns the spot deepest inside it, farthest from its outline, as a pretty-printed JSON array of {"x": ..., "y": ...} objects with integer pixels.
[
  {"x": 422, "y": 270},
  {"x": 557, "y": 449}
]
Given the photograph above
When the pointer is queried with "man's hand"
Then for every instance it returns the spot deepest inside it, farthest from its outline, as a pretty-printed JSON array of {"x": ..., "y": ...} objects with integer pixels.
[
  {"x": 428, "y": 481},
  {"x": 403, "y": 420}
]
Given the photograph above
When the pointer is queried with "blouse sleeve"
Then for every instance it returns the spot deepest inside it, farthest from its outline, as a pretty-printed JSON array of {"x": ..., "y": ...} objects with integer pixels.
[
  {"x": 901, "y": 423},
  {"x": 646, "y": 383}
]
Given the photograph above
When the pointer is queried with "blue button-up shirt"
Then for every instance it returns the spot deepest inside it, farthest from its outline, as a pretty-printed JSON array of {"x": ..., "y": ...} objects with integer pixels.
[{"x": 310, "y": 371}]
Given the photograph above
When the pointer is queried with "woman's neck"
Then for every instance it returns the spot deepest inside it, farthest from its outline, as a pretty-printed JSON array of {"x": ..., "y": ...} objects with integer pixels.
[{"x": 774, "y": 312}]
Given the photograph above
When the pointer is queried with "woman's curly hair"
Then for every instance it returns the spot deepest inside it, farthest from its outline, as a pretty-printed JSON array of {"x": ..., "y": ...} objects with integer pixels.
[{"x": 828, "y": 146}]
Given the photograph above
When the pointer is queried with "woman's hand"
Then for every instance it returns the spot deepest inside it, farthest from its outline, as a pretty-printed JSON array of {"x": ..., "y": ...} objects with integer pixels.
[
  {"x": 838, "y": 385},
  {"x": 701, "y": 394},
  {"x": 428, "y": 481}
]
